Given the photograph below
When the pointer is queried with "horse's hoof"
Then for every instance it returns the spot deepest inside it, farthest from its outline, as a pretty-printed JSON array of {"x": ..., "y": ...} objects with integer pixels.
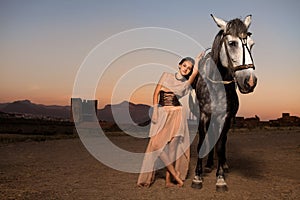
[
  {"x": 208, "y": 169},
  {"x": 226, "y": 168},
  {"x": 197, "y": 182},
  {"x": 221, "y": 185}
]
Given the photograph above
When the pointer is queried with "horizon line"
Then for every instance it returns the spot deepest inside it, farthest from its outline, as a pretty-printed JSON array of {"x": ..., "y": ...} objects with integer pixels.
[{"x": 268, "y": 119}]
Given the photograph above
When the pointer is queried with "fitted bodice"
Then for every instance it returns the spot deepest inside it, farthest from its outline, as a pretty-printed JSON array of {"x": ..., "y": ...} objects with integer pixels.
[
  {"x": 168, "y": 99},
  {"x": 169, "y": 82}
]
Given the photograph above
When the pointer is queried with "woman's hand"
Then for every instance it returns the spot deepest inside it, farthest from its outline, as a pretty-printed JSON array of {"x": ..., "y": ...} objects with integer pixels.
[
  {"x": 154, "y": 114},
  {"x": 199, "y": 57}
]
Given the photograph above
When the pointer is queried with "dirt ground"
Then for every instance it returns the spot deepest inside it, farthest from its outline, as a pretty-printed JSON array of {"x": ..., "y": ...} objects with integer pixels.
[{"x": 264, "y": 164}]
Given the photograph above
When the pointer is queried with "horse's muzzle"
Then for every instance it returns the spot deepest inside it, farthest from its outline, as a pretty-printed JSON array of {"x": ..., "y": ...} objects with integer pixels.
[{"x": 247, "y": 82}]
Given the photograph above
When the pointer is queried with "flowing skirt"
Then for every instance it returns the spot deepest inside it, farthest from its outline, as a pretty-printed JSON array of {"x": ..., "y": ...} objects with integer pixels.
[{"x": 172, "y": 122}]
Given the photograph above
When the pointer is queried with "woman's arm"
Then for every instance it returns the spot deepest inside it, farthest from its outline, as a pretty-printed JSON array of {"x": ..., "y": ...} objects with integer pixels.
[
  {"x": 195, "y": 69},
  {"x": 155, "y": 95},
  {"x": 155, "y": 98}
]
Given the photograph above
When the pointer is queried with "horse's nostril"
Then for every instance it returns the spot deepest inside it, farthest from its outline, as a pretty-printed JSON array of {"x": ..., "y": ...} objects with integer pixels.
[
  {"x": 247, "y": 86},
  {"x": 254, "y": 80},
  {"x": 250, "y": 81}
]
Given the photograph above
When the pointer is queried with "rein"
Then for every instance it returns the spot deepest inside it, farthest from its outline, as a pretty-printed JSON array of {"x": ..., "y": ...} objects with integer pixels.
[{"x": 222, "y": 82}]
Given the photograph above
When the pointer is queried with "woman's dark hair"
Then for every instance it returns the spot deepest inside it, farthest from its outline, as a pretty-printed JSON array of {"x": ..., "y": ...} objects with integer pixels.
[{"x": 190, "y": 60}]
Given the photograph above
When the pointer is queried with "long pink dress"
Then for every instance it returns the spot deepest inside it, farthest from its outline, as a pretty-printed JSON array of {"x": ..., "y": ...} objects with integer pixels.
[{"x": 172, "y": 122}]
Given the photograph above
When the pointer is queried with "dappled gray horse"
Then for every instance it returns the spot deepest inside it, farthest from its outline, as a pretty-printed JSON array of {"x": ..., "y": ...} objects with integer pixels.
[{"x": 228, "y": 64}]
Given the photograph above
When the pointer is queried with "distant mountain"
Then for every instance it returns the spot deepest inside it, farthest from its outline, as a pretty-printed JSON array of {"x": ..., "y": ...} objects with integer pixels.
[
  {"x": 138, "y": 113},
  {"x": 27, "y": 107},
  {"x": 2, "y": 105}
]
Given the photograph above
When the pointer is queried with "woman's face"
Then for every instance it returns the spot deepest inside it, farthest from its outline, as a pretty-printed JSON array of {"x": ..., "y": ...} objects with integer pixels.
[{"x": 185, "y": 68}]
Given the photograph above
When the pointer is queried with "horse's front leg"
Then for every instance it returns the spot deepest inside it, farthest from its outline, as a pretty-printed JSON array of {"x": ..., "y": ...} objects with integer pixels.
[
  {"x": 210, "y": 161},
  {"x": 198, "y": 178},
  {"x": 221, "y": 185},
  {"x": 202, "y": 130}
]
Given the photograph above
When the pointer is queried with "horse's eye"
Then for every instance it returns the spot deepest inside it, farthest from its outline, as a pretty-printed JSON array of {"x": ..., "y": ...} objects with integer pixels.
[{"x": 232, "y": 43}]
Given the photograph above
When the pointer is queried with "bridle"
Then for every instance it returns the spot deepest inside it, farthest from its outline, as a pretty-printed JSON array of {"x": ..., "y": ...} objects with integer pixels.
[{"x": 243, "y": 38}]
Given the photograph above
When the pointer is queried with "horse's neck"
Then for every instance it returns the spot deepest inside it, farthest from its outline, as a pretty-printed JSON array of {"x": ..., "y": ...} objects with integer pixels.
[{"x": 225, "y": 72}]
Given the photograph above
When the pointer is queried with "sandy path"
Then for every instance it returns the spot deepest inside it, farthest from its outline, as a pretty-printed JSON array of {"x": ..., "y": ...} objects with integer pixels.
[{"x": 263, "y": 165}]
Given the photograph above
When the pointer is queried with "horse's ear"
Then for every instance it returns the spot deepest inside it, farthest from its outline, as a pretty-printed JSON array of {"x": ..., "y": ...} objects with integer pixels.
[
  {"x": 247, "y": 21},
  {"x": 220, "y": 22}
]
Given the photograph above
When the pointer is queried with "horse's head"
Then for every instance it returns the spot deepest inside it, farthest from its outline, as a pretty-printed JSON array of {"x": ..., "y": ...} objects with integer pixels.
[{"x": 233, "y": 45}]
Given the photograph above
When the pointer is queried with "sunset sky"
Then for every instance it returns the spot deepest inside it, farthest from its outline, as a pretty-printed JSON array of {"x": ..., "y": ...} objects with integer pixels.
[{"x": 44, "y": 43}]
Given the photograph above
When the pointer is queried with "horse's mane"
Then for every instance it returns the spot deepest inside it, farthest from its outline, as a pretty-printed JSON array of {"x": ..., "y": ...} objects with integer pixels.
[
  {"x": 216, "y": 47},
  {"x": 235, "y": 27}
]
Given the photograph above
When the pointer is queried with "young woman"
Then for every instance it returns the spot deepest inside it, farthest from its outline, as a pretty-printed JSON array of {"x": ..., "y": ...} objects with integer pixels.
[{"x": 169, "y": 135}]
